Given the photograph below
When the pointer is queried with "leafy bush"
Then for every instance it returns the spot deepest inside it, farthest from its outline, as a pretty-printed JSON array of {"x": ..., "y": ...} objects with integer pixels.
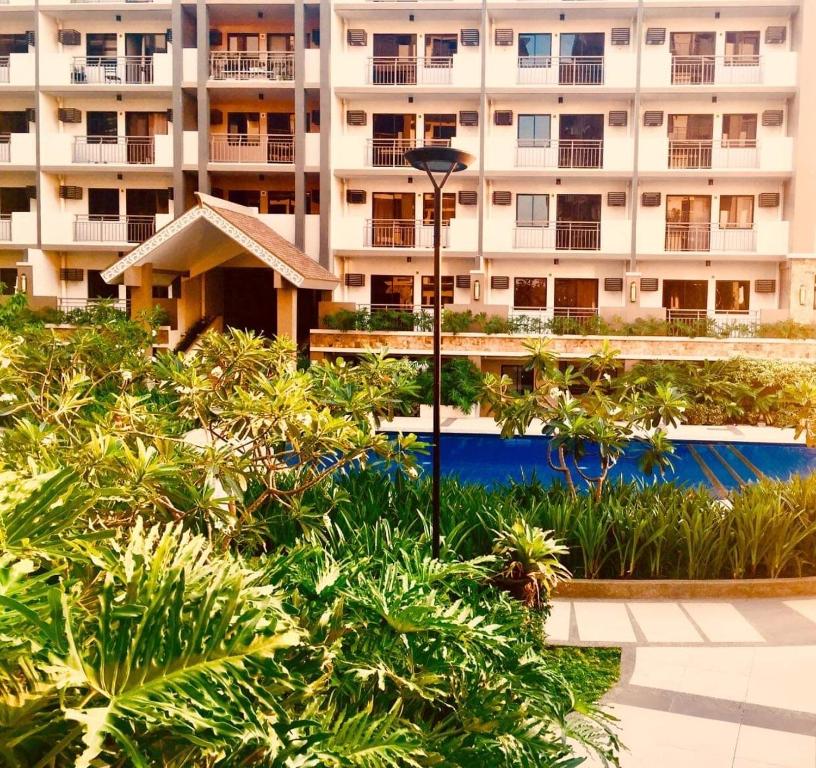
[{"x": 462, "y": 383}]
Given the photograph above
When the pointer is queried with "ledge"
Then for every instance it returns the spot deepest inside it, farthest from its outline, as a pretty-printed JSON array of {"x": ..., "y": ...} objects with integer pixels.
[{"x": 680, "y": 589}]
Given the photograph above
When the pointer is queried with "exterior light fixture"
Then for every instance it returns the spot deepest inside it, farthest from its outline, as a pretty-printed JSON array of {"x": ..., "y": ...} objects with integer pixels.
[
  {"x": 477, "y": 290},
  {"x": 633, "y": 292},
  {"x": 439, "y": 163},
  {"x": 22, "y": 283},
  {"x": 802, "y": 295}
]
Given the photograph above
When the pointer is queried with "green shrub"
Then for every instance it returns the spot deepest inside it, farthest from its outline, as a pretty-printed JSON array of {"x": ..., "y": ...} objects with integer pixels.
[
  {"x": 461, "y": 384},
  {"x": 456, "y": 322}
]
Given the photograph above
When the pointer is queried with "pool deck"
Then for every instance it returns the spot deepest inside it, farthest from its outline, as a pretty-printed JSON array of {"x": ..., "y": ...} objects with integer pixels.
[{"x": 481, "y": 425}]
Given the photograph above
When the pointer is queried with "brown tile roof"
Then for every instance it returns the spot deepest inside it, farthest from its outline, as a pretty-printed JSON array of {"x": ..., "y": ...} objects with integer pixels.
[{"x": 279, "y": 246}]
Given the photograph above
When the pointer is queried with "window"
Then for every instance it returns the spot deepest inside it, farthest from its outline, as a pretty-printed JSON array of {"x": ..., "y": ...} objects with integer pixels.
[
  {"x": 392, "y": 290},
  {"x": 534, "y": 130},
  {"x": 243, "y": 42},
  {"x": 248, "y": 197},
  {"x": 8, "y": 280},
  {"x": 441, "y": 46},
  {"x": 739, "y": 130},
  {"x": 732, "y": 295},
  {"x": 13, "y": 44},
  {"x": 535, "y": 49},
  {"x": 736, "y": 211},
  {"x": 98, "y": 288},
  {"x": 100, "y": 44},
  {"x": 13, "y": 200},
  {"x": 448, "y": 207},
  {"x": 741, "y": 48},
  {"x": 102, "y": 124},
  {"x": 280, "y": 202},
  {"x": 685, "y": 294},
  {"x": 576, "y": 292},
  {"x": 103, "y": 202},
  {"x": 532, "y": 210},
  {"x": 280, "y": 42},
  {"x": 523, "y": 378},
  {"x": 530, "y": 292},
  {"x": 441, "y": 128},
  {"x": 428, "y": 290},
  {"x": 13, "y": 122}
]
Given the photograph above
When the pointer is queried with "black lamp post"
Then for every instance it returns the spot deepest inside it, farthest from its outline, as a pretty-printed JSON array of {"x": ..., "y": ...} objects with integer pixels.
[{"x": 439, "y": 163}]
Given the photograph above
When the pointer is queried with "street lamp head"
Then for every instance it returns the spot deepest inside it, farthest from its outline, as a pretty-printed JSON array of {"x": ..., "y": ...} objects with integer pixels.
[{"x": 438, "y": 159}]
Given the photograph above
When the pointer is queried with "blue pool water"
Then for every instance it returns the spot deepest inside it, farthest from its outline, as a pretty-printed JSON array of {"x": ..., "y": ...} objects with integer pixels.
[{"x": 721, "y": 466}]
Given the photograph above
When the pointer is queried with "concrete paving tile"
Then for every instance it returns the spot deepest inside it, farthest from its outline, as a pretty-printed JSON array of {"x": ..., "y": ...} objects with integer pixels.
[
  {"x": 784, "y": 677},
  {"x": 664, "y": 622},
  {"x": 603, "y": 621},
  {"x": 806, "y": 608},
  {"x": 775, "y": 748},
  {"x": 558, "y": 622},
  {"x": 722, "y": 623}
]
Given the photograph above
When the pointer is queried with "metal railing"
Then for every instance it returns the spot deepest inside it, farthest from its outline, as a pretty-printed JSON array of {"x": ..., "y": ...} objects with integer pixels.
[
  {"x": 113, "y": 229},
  {"x": 138, "y": 150},
  {"x": 708, "y": 153},
  {"x": 561, "y": 70},
  {"x": 704, "y": 236},
  {"x": 252, "y": 65},
  {"x": 5, "y": 148},
  {"x": 4, "y": 69},
  {"x": 111, "y": 70},
  {"x": 410, "y": 70},
  {"x": 403, "y": 233},
  {"x": 69, "y": 305},
  {"x": 729, "y": 323},
  {"x": 390, "y": 153},
  {"x": 252, "y": 148},
  {"x": 546, "y": 321},
  {"x": 559, "y": 153},
  {"x": 711, "y": 70},
  {"x": 5, "y": 228},
  {"x": 558, "y": 235}
]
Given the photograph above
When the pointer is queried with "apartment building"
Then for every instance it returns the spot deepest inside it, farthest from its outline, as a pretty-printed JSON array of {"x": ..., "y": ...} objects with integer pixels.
[{"x": 633, "y": 157}]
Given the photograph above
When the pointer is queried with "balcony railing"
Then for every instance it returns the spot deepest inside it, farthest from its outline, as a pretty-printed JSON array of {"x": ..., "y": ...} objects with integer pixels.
[
  {"x": 410, "y": 70},
  {"x": 559, "y": 153},
  {"x": 113, "y": 229},
  {"x": 402, "y": 233},
  {"x": 390, "y": 153},
  {"x": 121, "y": 150},
  {"x": 252, "y": 148},
  {"x": 716, "y": 70},
  {"x": 561, "y": 70},
  {"x": 5, "y": 228},
  {"x": 708, "y": 153},
  {"x": 111, "y": 70},
  {"x": 70, "y": 305},
  {"x": 4, "y": 69},
  {"x": 252, "y": 65},
  {"x": 704, "y": 236},
  {"x": 733, "y": 323},
  {"x": 545, "y": 321},
  {"x": 558, "y": 235},
  {"x": 5, "y": 148}
]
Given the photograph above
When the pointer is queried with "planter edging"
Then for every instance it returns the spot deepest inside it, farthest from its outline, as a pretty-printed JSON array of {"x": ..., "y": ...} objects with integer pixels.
[{"x": 682, "y": 589}]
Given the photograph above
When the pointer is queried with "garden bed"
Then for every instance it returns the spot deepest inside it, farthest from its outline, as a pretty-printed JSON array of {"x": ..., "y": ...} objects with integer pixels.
[{"x": 686, "y": 589}]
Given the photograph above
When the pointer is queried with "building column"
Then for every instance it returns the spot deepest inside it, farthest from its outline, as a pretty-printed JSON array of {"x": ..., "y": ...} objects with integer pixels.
[
  {"x": 189, "y": 303},
  {"x": 203, "y": 45},
  {"x": 300, "y": 125},
  {"x": 286, "y": 296},
  {"x": 140, "y": 281}
]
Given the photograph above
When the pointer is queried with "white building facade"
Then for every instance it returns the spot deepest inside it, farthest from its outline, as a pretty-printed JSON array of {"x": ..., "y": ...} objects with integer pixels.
[{"x": 633, "y": 158}]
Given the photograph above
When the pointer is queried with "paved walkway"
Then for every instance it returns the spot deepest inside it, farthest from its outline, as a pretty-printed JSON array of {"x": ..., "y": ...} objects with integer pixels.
[{"x": 706, "y": 684}]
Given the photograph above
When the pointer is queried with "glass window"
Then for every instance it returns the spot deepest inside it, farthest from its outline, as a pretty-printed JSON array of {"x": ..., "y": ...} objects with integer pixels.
[
  {"x": 741, "y": 44},
  {"x": 8, "y": 280},
  {"x": 740, "y": 128},
  {"x": 685, "y": 294},
  {"x": 530, "y": 292},
  {"x": 448, "y": 207},
  {"x": 532, "y": 210},
  {"x": 732, "y": 295},
  {"x": 536, "y": 48},
  {"x": 440, "y": 127},
  {"x": 392, "y": 290},
  {"x": 523, "y": 378},
  {"x": 428, "y": 290},
  {"x": 442, "y": 46},
  {"x": 737, "y": 211},
  {"x": 534, "y": 130},
  {"x": 98, "y": 288}
]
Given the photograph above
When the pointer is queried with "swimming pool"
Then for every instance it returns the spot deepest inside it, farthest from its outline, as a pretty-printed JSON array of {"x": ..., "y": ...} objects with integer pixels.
[{"x": 721, "y": 466}]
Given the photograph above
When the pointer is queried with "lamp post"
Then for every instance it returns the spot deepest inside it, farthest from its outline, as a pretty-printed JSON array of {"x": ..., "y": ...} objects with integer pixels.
[{"x": 439, "y": 163}]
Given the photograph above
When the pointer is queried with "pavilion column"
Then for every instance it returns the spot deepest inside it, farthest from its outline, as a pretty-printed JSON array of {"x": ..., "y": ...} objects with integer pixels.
[
  {"x": 140, "y": 281},
  {"x": 286, "y": 308},
  {"x": 189, "y": 303}
]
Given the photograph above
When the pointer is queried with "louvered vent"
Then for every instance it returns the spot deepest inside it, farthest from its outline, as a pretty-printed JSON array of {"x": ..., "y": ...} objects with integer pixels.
[
  {"x": 655, "y": 35},
  {"x": 356, "y": 117},
  {"x": 776, "y": 35},
  {"x": 648, "y": 284},
  {"x": 765, "y": 286},
  {"x": 169, "y": 115},
  {"x": 170, "y": 193},
  {"x": 504, "y": 37},
  {"x": 469, "y": 118},
  {"x": 31, "y": 114},
  {"x": 357, "y": 37},
  {"x": 618, "y": 118},
  {"x": 502, "y": 197},
  {"x": 650, "y": 199},
  {"x": 69, "y": 192},
  {"x": 72, "y": 275},
  {"x": 355, "y": 279},
  {"x": 355, "y": 196},
  {"x": 168, "y": 35},
  {"x": 216, "y": 117},
  {"x": 503, "y": 117},
  {"x": 69, "y": 37},
  {"x": 773, "y": 117},
  {"x": 620, "y": 36},
  {"x": 469, "y": 37},
  {"x": 500, "y": 282},
  {"x": 613, "y": 284},
  {"x": 31, "y": 37},
  {"x": 769, "y": 200},
  {"x": 652, "y": 118},
  {"x": 463, "y": 281},
  {"x": 314, "y": 117},
  {"x": 616, "y": 199},
  {"x": 69, "y": 115},
  {"x": 216, "y": 38},
  {"x": 31, "y": 192},
  {"x": 467, "y": 197}
]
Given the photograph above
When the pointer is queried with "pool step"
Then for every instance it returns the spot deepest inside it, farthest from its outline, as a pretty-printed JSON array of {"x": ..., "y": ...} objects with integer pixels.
[
  {"x": 755, "y": 471},
  {"x": 714, "y": 481},
  {"x": 724, "y": 466}
]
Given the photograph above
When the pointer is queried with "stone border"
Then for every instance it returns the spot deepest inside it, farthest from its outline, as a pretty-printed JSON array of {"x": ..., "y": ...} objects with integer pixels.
[{"x": 635, "y": 589}]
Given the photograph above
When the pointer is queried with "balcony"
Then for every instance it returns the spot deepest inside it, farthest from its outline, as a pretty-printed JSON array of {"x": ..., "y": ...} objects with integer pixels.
[
  {"x": 111, "y": 70},
  {"x": 706, "y": 237},
  {"x": 113, "y": 229},
  {"x": 5, "y": 148},
  {"x": 390, "y": 153},
  {"x": 560, "y": 70},
  {"x": 560, "y": 153},
  {"x": 708, "y": 153},
  {"x": 255, "y": 65},
  {"x": 410, "y": 70},
  {"x": 402, "y": 233},
  {"x": 114, "y": 150},
  {"x": 262, "y": 149},
  {"x": 5, "y": 69},
  {"x": 716, "y": 70},
  {"x": 776, "y": 70},
  {"x": 5, "y": 228},
  {"x": 558, "y": 235},
  {"x": 19, "y": 228}
]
